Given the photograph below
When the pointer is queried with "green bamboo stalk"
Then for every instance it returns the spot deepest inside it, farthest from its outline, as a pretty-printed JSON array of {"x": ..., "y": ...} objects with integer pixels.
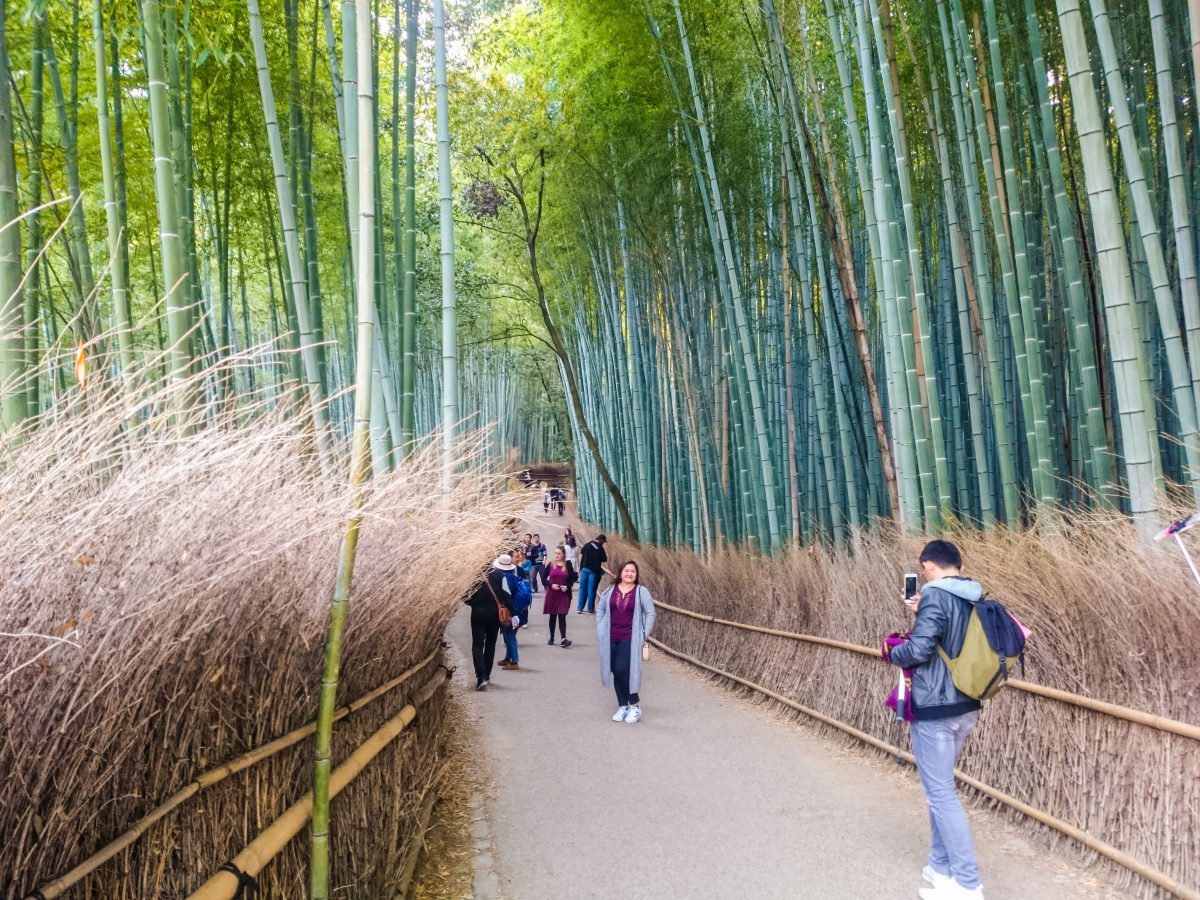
[
  {"x": 112, "y": 211},
  {"x": 1185, "y": 251},
  {"x": 87, "y": 321},
  {"x": 1082, "y": 345},
  {"x": 1147, "y": 222},
  {"x": 1137, "y": 421},
  {"x": 169, "y": 225},
  {"x": 1036, "y": 406},
  {"x": 296, "y": 268},
  {"x": 408, "y": 311},
  {"x": 359, "y": 453},
  {"x": 450, "y": 387},
  {"x": 13, "y": 359}
]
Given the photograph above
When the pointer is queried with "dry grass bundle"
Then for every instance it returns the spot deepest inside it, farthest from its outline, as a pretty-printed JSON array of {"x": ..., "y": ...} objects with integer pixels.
[
  {"x": 1113, "y": 618},
  {"x": 164, "y": 609}
]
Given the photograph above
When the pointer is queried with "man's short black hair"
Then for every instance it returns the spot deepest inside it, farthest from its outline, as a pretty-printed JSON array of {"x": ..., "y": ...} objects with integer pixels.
[{"x": 943, "y": 554}]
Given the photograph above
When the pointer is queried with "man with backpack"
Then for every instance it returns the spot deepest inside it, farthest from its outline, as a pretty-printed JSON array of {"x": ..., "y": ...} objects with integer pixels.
[{"x": 943, "y": 715}]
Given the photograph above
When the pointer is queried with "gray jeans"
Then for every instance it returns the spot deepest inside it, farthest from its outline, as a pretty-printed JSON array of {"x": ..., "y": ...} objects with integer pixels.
[{"x": 937, "y": 744}]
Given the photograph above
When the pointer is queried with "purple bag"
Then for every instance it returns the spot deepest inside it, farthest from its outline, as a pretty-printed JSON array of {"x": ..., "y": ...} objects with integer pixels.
[{"x": 900, "y": 699}]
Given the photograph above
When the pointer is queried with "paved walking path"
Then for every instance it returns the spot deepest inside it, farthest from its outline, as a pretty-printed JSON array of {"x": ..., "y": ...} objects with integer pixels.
[{"x": 708, "y": 796}]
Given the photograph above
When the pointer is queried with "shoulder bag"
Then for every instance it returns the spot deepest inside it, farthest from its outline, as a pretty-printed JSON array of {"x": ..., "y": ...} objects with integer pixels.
[{"x": 501, "y": 609}]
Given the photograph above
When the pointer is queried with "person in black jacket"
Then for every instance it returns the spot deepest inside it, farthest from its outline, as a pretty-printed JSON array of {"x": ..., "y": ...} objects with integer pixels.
[
  {"x": 485, "y": 603},
  {"x": 942, "y": 718},
  {"x": 592, "y": 567}
]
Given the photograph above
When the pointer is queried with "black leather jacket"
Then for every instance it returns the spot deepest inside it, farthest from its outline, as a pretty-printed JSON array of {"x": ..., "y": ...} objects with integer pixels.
[{"x": 941, "y": 619}]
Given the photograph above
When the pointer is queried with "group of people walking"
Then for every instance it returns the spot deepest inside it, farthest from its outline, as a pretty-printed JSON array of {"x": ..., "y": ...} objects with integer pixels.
[{"x": 502, "y": 602}]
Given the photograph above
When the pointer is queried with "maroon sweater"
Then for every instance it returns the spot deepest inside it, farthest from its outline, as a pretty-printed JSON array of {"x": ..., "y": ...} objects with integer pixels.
[{"x": 621, "y": 610}]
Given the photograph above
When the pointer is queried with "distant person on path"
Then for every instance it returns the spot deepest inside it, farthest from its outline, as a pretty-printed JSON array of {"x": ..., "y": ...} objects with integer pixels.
[
  {"x": 570, "y": 545},
  {"x": 592, "y": 559},
  {"x": 537, "y": 556},
  {"x": 560, "y": 500},
  {"x": 942, "y": 717},
  {"x": 546, "y": 501},
  {"x": 624, "y": 620},
  {"x": 485, "y": 603},
  {"x": 560, "y": 577}
]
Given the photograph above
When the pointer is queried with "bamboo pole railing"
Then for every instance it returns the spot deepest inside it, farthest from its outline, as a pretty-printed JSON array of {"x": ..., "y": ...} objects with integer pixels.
[
  {"x": 1150, "y": 720},
  {"x": 246, "y": 866},
  {"x": 58, "y": 886},
  {"x": 1161, "y": 879}
]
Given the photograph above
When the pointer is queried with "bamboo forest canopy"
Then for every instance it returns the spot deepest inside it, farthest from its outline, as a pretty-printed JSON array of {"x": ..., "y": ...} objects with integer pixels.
[
  {"x": 819, "y": 262},
  {"x": 768, "y": 271},
  {"x": 176, "y": 216}
]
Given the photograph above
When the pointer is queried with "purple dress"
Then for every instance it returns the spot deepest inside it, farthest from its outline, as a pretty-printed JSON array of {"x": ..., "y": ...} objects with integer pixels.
[{"x": 558, "y": 593}]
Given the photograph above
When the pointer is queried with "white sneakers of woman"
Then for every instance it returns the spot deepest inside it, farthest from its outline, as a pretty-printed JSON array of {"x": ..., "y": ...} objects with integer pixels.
[
  {"x": 633, "y": 716},
  {"x": 620, "y": 714}
]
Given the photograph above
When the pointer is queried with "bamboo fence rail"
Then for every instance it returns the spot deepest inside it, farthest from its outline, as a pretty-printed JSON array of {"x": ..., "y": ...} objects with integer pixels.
[
  {"x": 246, "y": 866},
  {"x": 58, "y": 886},
  {"x": 1150, "y": 720},
  {"x": 1123, "y": 859}
]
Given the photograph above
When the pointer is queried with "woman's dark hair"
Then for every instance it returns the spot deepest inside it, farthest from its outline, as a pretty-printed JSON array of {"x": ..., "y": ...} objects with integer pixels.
[{"x": 943, "y": 554}]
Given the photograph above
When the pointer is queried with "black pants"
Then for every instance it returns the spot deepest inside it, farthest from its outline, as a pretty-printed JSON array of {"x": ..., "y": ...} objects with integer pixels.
[
  {"x": 485, "y": 625},
  {"x": 562, "y": 624},
  {"x": 619, "y": 662}
]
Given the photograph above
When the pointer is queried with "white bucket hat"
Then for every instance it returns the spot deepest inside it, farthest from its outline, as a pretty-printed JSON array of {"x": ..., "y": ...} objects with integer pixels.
[{"x": 503, "y": 562}]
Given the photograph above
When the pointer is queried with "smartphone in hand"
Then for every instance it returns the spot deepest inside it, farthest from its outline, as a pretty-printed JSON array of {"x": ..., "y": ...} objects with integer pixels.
[{"x": 910, "y": 585}]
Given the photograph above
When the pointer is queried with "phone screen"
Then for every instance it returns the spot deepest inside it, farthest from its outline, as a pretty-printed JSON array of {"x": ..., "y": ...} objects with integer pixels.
[{"x": 910, "y": 585}]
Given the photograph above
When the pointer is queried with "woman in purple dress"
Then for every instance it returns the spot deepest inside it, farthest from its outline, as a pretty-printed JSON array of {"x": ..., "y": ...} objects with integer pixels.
[{"x": 559, "y": 578}]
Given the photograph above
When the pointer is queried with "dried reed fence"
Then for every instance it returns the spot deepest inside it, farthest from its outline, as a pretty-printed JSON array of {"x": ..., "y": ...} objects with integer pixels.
[
  {"x": 163, "y": 608},
  {"x": 1113, "y": 619}
]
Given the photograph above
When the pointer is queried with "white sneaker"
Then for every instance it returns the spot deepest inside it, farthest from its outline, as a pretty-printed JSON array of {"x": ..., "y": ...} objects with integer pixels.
[
  {"x": 951, "y": 890},
  {"x": 634, "y": 716},
  {"x": 620, "y": 714},
  {"x": 934, "y": 877}
]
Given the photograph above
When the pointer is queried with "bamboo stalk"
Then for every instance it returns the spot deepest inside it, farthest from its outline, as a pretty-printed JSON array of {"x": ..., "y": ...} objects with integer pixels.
[
  {"x": 207, "y": 779},
  {"x": 254, "y": 858},
  {"x": 1150, "y": 720},
  {"x": 1119, "y": 857}
]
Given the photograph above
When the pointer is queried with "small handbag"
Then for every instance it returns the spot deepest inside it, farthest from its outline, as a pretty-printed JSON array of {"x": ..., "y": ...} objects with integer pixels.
[{"x": 505, "y": 614}]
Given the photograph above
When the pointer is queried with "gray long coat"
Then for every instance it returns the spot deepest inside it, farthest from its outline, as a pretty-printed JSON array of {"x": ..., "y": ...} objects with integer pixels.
[{"x": 643, "y": 625}]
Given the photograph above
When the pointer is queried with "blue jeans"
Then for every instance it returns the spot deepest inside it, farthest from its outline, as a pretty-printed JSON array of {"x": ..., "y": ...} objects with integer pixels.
[
  {"x": 510, "y": 644},
  {"x": 588, "y": 582},
  {"x": 937, "y": 744}
]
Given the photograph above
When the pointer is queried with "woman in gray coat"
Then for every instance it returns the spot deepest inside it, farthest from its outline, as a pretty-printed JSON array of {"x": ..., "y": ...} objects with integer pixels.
[{"x": 624, "y": 619}]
